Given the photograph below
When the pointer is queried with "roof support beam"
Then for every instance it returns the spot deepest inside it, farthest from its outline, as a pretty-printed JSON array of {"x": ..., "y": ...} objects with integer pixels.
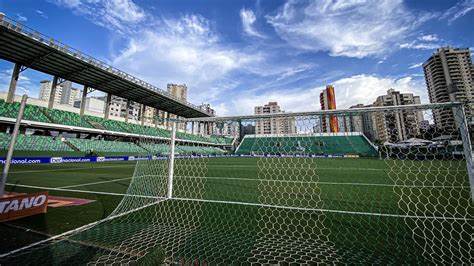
[
  {"x": 52, "y": 95},
  {"x": 126, "y": 110},
  {"x": 13, "y": 81},
  {"x": 107, "y": 105},
  {"x": 142, "y": 114},
  {"x": 83, "y": 100}
]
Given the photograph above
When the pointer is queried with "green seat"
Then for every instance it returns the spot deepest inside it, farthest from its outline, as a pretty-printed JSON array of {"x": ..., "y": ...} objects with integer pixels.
[
  {"x": 104, "y": 146},
  {"x": 34, "y": 143},
  {"x": 307, "y": 145}
]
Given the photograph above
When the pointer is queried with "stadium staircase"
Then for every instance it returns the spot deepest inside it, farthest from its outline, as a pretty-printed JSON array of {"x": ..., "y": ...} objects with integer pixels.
[
  {"x": 96, "y": 125},
  {"x": 65, "y": 141}
]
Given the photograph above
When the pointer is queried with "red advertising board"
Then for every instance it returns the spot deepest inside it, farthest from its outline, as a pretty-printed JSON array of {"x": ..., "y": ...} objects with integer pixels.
[{"x": 19, "y": 206}]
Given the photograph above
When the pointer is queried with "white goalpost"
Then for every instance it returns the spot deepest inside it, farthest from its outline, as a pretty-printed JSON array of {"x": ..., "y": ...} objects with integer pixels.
[{"x": 393, "y": 185}]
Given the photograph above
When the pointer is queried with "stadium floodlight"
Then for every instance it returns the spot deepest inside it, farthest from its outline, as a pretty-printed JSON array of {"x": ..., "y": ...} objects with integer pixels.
[{"x": 391, "y": 187}]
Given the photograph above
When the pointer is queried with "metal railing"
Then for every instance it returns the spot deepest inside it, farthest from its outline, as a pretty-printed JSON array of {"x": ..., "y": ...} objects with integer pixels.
[{"x": 16, "y": 26}]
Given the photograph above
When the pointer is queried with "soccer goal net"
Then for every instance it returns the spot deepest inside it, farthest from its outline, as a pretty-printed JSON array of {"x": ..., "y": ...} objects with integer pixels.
[{"x": 364, "y": 185}]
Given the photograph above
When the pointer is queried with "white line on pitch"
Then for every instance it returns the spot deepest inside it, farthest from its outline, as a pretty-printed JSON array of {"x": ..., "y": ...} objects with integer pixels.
[
  {"x": 316, "y": 182},
  {"x": 95, "y": 183},
  {"x": 264, "y": 205},
  {"x": 327, "y": 210}
]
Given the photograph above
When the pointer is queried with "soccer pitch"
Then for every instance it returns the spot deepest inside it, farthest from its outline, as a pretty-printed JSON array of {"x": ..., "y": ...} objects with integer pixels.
[{"x": 253, "y": 209}]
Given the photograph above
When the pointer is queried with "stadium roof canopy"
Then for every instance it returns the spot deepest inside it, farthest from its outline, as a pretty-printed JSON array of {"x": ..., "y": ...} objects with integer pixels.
[{"x": 31, "y": 49}]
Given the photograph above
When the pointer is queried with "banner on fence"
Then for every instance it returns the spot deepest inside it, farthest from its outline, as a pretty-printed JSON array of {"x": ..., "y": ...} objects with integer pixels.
[
  {"x": 19, "y": 206},
  {"x": 58, "y": 160}
]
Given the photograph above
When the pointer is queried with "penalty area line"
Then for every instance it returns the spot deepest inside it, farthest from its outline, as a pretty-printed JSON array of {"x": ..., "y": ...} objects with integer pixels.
[
  {"x": 95, "y": 183},
  {"x": 83, "y": 191}
]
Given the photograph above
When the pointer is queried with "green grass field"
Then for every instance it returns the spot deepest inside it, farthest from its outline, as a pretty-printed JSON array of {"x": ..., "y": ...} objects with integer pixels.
[{"x": 261, "y": 210}]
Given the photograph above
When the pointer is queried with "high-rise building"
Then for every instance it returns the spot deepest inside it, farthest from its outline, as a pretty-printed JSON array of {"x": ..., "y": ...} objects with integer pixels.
[
  {"x": 118, "y": 107},
  {"x": 363, "y": 122},
  {"x": 45, "y": 91},
  {"x": 93, "y": 104},
  {"x": 69, "y": 94},
  {"x": 327, "y": 99},
  {"x": 207, "y": 128},
  {"x": 449, "y": 75},
  {"x": 179, "y": 91},
  {"x": 207, "y": 107},
  {"x": 399, "y": 125},
  {"x": 278, "y": 125},
  {"x": 150, "y": 114},
  {"x": 65, "y": 94}
]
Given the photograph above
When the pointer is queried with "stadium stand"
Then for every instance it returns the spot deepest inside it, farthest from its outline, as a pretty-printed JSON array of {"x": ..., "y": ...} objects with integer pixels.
[
  {"x": 156, "y": 148},
  {"x": 104, "y": 146},
  {"x": 189, "y": 150},
  {"x": 34, "y": 143},
  {"x": 32, "y": 112},
  {"x": 55, "y": 116},
  {"x": 311, "y": 144},
  {"x": 161, "y": 149},
  {"x": 106, "y": 124},
  {"x": 66, "y": 118}
]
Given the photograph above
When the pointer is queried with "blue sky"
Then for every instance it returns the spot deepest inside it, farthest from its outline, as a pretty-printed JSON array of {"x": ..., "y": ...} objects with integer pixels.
[{"x": 238, "y": 54}]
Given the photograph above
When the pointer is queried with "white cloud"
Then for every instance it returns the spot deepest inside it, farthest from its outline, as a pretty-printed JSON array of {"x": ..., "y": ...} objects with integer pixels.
[
  {"x": 429, "y": 38},
  {"x": 118, "y": 15},
  {"x": 41, "y": 13},
  {"x": 20, "y": 17},
  {"x": 184, "y": 50},
  {"x": 24, "y": 86},
  {"x": 424, "y": 42},
  {"x": 415, "y": 65},
  {"x": 349, "y": 91},
  {"x": 459, "y": 10},
  {"x": 355, "y": 28},
  {"x": 248, "y": 19}
]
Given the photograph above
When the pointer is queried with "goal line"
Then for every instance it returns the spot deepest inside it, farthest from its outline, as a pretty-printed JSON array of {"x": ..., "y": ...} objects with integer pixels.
[{"x": 261, "y": 205}]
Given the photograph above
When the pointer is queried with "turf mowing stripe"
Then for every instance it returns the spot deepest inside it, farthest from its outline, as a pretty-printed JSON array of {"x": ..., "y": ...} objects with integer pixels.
[
  {"x": 94, "y": 183},
  {"x": 319, "y": 182},
  {"x": 329, "y": 168},
  {"x": 266, "y": 205}
]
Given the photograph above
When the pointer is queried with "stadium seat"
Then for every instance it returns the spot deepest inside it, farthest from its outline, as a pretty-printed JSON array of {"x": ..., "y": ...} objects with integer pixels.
[
  {"x": 33, "y": 143},
  {"x": 67, "y": 118},
  {"x": 317, "y": 144},
  {"x": 104, "y": 146},
  {"x": 41, "y": 114},
  {"x": 32, "y": 112}
]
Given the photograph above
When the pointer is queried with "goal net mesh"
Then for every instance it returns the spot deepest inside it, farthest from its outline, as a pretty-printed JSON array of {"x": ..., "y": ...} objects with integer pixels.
[{"x": 356, "y": 186}]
